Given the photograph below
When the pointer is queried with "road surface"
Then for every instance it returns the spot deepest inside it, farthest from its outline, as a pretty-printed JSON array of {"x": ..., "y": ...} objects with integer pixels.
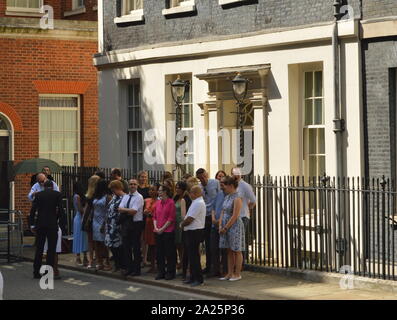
[{"x": 20, "y": 285}]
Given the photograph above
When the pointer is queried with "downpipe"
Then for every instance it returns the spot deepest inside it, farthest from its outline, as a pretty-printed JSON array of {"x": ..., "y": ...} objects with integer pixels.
[{"x": 339, "y": 128}]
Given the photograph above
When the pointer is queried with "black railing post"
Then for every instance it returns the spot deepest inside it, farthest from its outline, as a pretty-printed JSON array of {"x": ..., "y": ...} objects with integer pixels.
[{"x": 384, "y": 216}]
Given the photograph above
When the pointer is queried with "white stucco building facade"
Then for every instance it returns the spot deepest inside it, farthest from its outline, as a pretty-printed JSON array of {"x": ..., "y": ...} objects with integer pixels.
[{"x": 290, "y": 100}]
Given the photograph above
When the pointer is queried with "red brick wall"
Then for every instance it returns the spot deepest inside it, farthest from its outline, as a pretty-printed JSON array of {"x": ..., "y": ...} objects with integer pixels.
[
  {"x": 25, "y": 60},
  {"x": 61, "y": 6}
]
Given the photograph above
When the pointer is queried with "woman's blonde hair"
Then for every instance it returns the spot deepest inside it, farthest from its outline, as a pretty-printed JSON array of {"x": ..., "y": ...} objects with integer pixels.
[
  {"x": 192, "y": 181},
  {"x": 116, "y": 184},
  {"x": 92, "y": 182}
]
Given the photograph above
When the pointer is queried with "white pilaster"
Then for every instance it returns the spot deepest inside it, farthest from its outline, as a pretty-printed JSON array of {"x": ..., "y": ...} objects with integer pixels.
[
  {"x": 213, "y": 145},
  {"x": 100, "y": 26}
]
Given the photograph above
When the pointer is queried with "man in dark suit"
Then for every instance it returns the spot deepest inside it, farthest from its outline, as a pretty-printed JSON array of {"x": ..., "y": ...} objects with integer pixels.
[{"x": 48, "y": 204}]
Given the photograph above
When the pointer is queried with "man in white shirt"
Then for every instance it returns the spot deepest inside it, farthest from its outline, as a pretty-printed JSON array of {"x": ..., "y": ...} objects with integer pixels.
[
  {"x": 194, "y": 224},
  {"x": 131, "y": 218},
  {"x": 246, "y": 193},
  {"x": 39, "y": 186}
]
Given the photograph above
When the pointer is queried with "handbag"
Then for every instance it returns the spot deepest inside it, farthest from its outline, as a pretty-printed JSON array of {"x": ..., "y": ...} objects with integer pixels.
[{"x": 88, "y": 217}]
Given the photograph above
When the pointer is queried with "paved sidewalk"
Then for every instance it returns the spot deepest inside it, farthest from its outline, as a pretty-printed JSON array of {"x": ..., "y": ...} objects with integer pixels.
[{"x": 254, "y": 285}]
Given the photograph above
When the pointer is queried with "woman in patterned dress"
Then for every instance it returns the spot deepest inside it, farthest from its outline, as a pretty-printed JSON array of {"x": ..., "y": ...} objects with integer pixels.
[
  {"x": 112, "y": 229},
  {"x": 231, "y": 229},
  {"x": 100, "y": 206}
]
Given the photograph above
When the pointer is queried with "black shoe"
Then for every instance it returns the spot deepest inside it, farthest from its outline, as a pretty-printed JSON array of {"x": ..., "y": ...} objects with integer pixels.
[
  {"x": 196, "y": 283},
  {"x": 169, "y": 276},
  {"x": 206, "y": 270},
  {"x": 159, "y": 277}
]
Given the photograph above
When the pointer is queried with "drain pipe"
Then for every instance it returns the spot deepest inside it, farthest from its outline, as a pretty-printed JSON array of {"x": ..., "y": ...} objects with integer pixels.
[
  {"x": 339, "y": 127},
  {"x": 339, "y": 123}
]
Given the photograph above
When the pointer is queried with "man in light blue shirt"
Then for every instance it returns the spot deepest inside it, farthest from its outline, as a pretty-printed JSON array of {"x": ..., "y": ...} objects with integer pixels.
[
  {"x": 246, "y": 193},
  {"x": 210, "y": 189},
  {"x": 39, "y": 186}
]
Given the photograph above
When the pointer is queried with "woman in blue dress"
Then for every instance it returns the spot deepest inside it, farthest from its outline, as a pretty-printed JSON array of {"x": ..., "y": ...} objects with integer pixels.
[
  {"x": 80, "y": 241},
  {"x": 100, "y": 203},
  {"x": 113, "y": 231},
  {"x": 231, "y": 230}
]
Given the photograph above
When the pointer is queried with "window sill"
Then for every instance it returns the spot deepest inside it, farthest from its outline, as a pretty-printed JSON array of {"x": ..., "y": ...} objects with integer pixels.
[
  {"x": 14, "y": 11},
  {"x": 225, "y": 2},
  {"x": 135, "y": 16},
  {"x": 179, "y": 9},
  {"x": 74, "y": 12}
]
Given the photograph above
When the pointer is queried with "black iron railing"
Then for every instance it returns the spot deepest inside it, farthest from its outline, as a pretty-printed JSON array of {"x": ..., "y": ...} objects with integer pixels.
[
  {"x": 69, "y": 175},
  {"x": 325, "y": 224}
]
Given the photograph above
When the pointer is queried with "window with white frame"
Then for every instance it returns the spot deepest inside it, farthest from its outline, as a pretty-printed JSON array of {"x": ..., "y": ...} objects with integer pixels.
[
  {"x": 25, "y": 5},
  {"x": 59, "y": 128},
  {"x": 135, "y": 132},
  {"x": 78, "y": 4},
  {"x": 129, "y": 6},
  {"x": 314, "y": 124},
  {"x": 176, "y": 3}
]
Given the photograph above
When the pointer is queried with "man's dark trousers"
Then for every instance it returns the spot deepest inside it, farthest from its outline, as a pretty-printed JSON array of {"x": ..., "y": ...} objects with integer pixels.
[
  {"x": 42, "y": 234},
  {"x": 194, "y": 238},
  {"x": 136, "y": 245},
  {"x": 219, "y": 256},
  {"x": 132, "y": 244},
  {"x": 166, "y": 250},
  {"x": 207, "y": 239}
]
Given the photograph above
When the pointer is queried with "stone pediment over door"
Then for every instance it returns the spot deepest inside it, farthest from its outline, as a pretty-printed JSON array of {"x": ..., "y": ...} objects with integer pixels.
[{"x": 220, "y": 83}]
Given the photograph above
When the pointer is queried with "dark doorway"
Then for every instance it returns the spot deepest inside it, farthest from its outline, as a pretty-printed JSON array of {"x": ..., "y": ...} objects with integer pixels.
[{"x": 4, "y": 184}]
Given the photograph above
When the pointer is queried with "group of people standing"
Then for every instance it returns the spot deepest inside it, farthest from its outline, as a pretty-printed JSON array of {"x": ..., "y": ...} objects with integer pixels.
[{"x": 163, "y": 225}]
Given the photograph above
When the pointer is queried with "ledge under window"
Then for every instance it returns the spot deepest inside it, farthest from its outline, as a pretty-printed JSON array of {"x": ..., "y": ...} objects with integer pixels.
[
  {"x": 25, "y": 12},
  {"x": 225, "y": 2},
  {"x": 188, "y": 6},
  {"x": 75, "y": 12},
  {"x": 134, "y": 16}
]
